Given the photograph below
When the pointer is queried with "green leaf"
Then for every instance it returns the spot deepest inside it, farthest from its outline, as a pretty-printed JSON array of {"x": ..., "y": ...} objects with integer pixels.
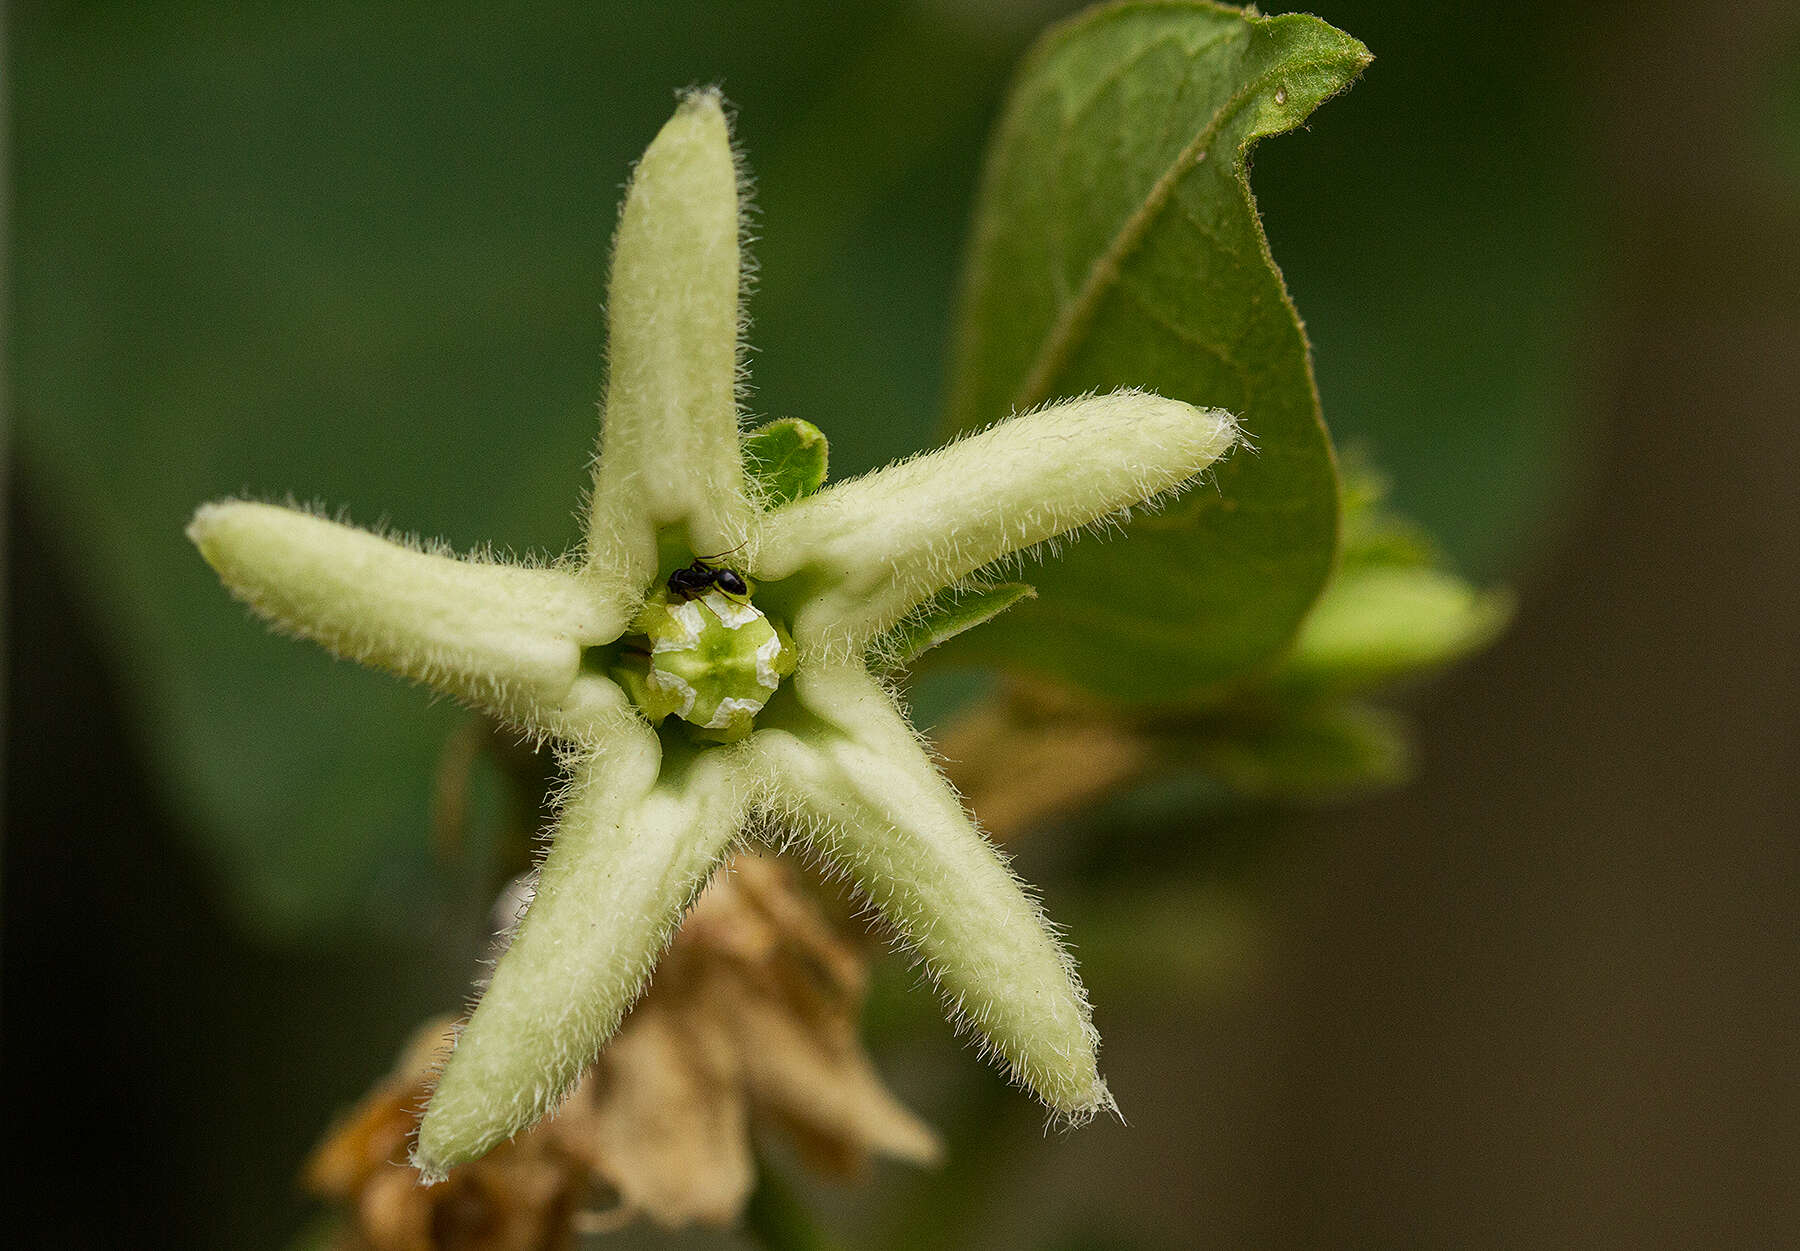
[
  {"x": 342, "y": 272},
  {"x": 1372, "y": 533},
  {"x": 319, "y": 1234},
  {"x": 1393, "y": 610},
  {"x": 1458, "y": 363},
  {"x": 948, "y": 615},
  {"x": 1117, "y": 244},
  {"x": 786, "y": 459},
  {"x": 1381, "y": 624},
  {"x": 1318, "y": 755}
]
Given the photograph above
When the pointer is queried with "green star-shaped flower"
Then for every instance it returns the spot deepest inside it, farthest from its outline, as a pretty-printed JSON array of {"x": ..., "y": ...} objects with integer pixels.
[{"x": 736, "y": 697}]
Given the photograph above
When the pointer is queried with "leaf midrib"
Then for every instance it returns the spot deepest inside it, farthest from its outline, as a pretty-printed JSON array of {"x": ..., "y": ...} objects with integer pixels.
[{"x": 1104, "y": 271}]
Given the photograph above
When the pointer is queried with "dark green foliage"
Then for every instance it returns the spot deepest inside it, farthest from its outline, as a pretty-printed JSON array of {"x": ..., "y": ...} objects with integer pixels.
[{"x": 1117, "y": 244}]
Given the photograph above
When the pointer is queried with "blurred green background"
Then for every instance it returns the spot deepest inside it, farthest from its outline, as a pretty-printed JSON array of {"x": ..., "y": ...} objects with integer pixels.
[{"x": 356, "y": 252}]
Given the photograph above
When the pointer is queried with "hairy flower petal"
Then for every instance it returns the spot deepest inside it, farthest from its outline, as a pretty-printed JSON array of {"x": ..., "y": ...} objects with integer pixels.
[
  {"x": 648, "y": 816},
  {"x": 882, "y": 544},
  {"x": 638, "y": 836},
  {"x": 506, "y": 638},
  {"x": 860, "y": 788},
  {"x": 669, "y": 453}
]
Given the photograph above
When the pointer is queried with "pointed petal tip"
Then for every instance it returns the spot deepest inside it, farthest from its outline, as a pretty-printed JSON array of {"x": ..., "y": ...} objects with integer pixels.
[
  {"x": 431, "y": 1171},
  {"x": 1068, "y": 1082},
  {"x": 434, "y": 1159},
  {"x": 200, "y": 528},
  {"x": 204, "y": 516},
  {"x": 706, "y": 99},
  {"x": 1093, "y": 1100},
  {"x": 209, "y": 522},
  {"x": 700, "y": 114},
  {"x": 460, "y": 1125},
  {"x": 218, "y": 522},
  {"x": 1199, "y": 436}
]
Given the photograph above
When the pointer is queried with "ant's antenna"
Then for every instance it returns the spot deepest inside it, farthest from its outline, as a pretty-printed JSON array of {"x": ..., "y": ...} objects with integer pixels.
[{"x": 707, "y": 560}]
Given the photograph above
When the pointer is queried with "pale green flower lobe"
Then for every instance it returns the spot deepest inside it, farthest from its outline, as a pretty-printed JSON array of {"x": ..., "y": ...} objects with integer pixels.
[{"x": 688, "y": 714}]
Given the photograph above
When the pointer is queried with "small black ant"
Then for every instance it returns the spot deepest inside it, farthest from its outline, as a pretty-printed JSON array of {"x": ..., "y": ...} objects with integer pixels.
[{"x": 701, "y": 576}]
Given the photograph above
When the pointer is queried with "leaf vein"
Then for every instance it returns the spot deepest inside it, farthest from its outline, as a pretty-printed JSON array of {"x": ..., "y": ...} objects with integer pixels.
[
  {"x": 1161, "y": 318},
  {"x": 1105, "y": 269}
]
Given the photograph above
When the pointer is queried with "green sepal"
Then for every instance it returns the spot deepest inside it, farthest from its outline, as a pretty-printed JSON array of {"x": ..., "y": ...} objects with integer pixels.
[
  {"x": 786, "y": 460},
  {"x": 947, "y": 615}
]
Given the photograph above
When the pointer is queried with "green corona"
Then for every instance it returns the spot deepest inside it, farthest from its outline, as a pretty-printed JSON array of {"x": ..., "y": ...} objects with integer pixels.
[{"x": 711, "y": 660}]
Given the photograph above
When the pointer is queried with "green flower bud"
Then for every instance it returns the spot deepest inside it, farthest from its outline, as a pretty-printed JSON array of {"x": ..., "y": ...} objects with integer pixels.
[{"x": 713, "y": 661}]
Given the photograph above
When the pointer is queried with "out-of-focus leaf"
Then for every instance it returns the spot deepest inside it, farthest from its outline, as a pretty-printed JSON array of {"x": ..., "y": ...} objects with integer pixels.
[
  {"x": 1175, "y": 935},
  {"x": 1392, "y": 611},
  {"x": 787, "y": 458},
  {"x": 1442, "y": 236},
  {"x": 357, "y": 252},
  {"x": 949, "y": 614},
  {"x": 320, "y": 1234},
  {"x": 1117, "y": 244},
  {"x": 1781, "y": 127},
  {"x": 1328, "y": 753},
  {"x": 1380, "y": 624},
  {"x": 1371, "y": 533}
]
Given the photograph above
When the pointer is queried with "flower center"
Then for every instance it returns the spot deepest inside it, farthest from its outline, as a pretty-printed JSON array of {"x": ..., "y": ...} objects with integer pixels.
[{"x": 710, "y": 658}]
